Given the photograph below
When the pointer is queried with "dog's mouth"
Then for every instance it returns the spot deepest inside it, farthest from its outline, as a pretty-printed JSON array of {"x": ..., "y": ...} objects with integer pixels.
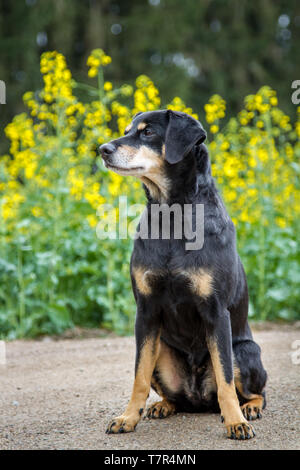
[{"x": 123, "y": 170}]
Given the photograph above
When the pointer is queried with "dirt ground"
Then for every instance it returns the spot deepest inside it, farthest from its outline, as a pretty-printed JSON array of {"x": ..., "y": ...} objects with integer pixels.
[{"x": 61, "y": 395}]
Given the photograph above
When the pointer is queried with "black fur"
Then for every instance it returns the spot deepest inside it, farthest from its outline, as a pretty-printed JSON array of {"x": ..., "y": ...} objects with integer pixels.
[{"x": 186, "y": 320}]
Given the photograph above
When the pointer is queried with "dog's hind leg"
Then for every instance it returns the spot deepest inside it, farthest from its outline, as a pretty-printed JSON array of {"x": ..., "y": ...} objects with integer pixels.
[
  {"x": 249, "y": 378},
  {"x": 166, "y": 381}
]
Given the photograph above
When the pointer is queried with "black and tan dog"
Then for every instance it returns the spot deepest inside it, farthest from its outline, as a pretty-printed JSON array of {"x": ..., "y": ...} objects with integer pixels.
[{"x": 193, "y": 342}]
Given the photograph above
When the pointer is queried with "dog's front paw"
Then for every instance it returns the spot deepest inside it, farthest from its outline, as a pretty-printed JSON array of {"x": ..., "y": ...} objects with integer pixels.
[
  {"x": 240, "y": 431},
  {"x": 122, "y": 424}
]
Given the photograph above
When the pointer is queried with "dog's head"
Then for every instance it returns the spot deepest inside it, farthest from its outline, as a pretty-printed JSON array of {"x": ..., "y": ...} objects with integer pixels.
[{"x": 153, "y": 142}]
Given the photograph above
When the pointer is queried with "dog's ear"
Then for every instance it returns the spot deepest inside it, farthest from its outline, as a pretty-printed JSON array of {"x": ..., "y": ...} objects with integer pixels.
[
  {"x": 183, "y": 132},
  {"x": 137, "y": 114}
]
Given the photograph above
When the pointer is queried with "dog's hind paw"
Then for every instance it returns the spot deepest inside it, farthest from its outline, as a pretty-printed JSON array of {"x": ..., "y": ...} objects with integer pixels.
[
  {"x": 252, "y": 410},
  {"x": 160, "y": 409}
]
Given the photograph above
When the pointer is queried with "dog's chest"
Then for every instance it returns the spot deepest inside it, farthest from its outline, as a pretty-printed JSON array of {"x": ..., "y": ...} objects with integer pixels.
[
  {"x": 172, "y": 284},
  {"x": 172, "y": 281},
  {"x": 163, "y": 268}
]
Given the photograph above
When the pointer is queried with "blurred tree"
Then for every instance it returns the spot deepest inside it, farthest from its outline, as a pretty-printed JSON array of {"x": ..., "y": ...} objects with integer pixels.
[
  {"x": 191, "y": 48},
  {"x": 199, "y": 48}
]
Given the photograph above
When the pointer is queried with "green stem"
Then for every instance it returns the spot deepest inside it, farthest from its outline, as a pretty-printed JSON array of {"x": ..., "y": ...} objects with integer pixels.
[
  {"x": 261, "y": 272},
  {"x": 99, "y": 91},
  {"x": 58, "y": 202},
  {"x": 92, "y": 90},
  {"x": 100, "y": 84},
  {"x": 2, "y": 230},
  {"x": 21, "y": 290},
  {"x": 110, "y": 292},
  {"x": 266, "y": 214},
  {"x": 261, "y": 241}
]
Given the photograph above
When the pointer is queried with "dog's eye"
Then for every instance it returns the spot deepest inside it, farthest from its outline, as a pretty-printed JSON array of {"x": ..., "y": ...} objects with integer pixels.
[{"x": 147, "y": 132}]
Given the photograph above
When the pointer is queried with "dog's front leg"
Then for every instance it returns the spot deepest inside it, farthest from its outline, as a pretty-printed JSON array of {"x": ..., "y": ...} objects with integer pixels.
[
  {"x": 219, "y": 343},
  {"x": 147, "y": 332}
]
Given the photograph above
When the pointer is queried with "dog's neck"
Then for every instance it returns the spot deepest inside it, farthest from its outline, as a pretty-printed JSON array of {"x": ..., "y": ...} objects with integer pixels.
[{"x": 180, "y": 183}]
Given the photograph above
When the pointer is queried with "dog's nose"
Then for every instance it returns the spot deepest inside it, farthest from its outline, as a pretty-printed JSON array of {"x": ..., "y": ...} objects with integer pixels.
[{"x": 107, "y": 149}]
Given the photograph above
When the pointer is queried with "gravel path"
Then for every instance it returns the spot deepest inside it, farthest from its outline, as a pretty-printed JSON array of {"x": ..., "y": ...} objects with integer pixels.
[{"x": 61, "y": 394}]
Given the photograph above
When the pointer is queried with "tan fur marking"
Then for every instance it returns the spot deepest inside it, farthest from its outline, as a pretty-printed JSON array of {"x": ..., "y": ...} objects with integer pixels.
[
  {"x": 227, "y": 397},
  {"x": 239, "y": 385},
  {"x": 168, "y": 369},
  {"x": 143, "y": 152},
  {"x": 252, "y": 409},
  {"x": 149, "y": 154},
  {"x": 209, "y": 383},
  {"x": 157, "y": 185},
  {"x": 169, "y": 373},
  {"x": 154, "y": 174},
  {"x": 157, "y": 387},
  {"x": 141, "y": 126},
  {"x": 127, "y": 152},
  {"x": 201, "y": 281},
  {"x": 153, "y": 189},
  {"x": 141, "y": 388},
  {"x": 140, "y": 275},
  {"x": 128, "y": 128},
  {"x": 161, "y": 409},
  {"x": 148, "y": 358},
  {"x": 155, "y": 178},
  {"x": 255, "y": 402}
]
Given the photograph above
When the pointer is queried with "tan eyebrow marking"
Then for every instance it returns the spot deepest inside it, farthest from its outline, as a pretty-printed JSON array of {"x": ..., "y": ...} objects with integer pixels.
[
  {"x": 127, "y": 129},
  {"x": 142, "y": 126}
]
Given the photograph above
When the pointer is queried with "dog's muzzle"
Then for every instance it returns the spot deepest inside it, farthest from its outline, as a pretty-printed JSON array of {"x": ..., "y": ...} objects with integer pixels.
[{"x": 107, "y": 150}]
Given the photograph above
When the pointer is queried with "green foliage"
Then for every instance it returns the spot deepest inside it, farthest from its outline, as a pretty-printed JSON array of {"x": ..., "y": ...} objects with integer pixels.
[
  {"x": 55, "y": 272},
  {"x": 272, "y": 272},
  {"x": 80, "y": 281}
]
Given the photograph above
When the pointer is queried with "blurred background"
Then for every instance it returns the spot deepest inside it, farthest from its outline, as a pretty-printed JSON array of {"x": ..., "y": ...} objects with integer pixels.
[
  {"x": 75, "y": 73},
  {"x": 192, "y": 49}
]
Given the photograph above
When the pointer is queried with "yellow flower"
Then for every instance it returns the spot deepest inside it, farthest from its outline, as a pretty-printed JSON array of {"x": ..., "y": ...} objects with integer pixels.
[
  {"x": 225, "y": 145},
  {"x": 215, "y": 109},
  {"x": 214, "y": 129},
  {"x": 126, "y": 90},
  {"x": 230, "y": 195},
  {"x": 95, "y": 60},
  {"x": 274, "y": 101},
  {"x": 106, "y": 60},
  {"x": 92, "y": 72},
  {"x": 57, "y": 150},
  {"x": 36, "y": 211},
  {"x": 92, "y": 220},
  {"x": 252, "y": 162},
  {"x": 281, "y": 222},
  {"x": 107, "y": 86}
]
